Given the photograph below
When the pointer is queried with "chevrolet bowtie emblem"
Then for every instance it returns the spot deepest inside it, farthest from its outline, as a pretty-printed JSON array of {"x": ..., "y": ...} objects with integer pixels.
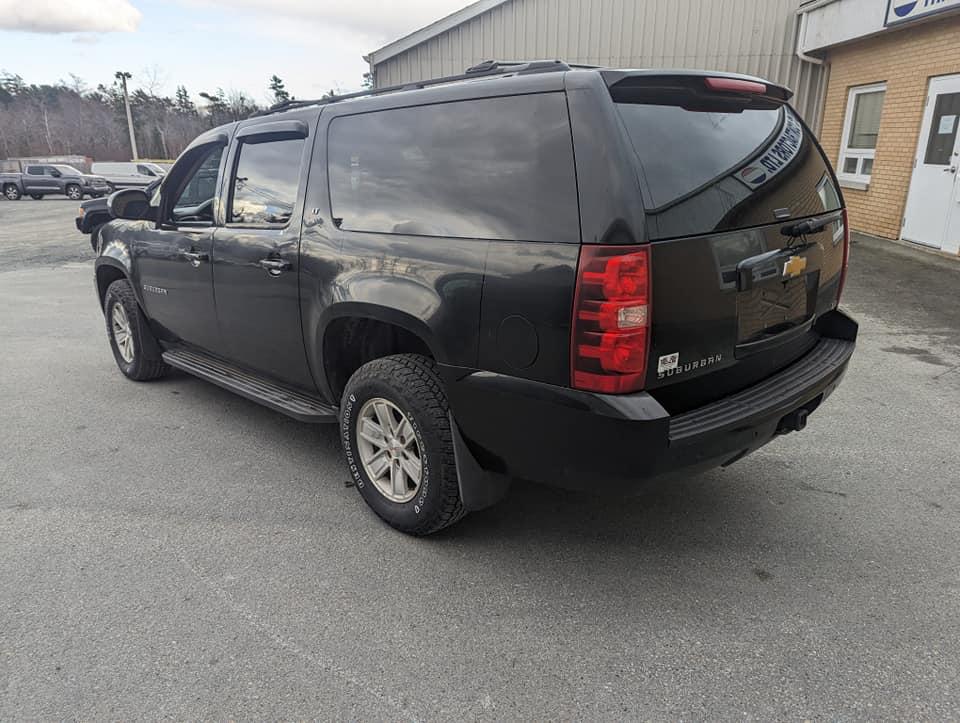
[{"x": 794, "y": 266}]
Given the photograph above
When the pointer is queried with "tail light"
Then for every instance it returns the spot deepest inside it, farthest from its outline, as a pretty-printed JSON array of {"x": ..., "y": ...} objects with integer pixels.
[
  {"x": 846, "y": 256},
  {"x": 610, "y": 338},
  {"x": 735, "y": 85}
]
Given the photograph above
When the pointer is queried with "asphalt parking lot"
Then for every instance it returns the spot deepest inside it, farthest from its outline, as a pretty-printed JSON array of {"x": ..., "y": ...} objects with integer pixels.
[{"x": 168, "y": 549}]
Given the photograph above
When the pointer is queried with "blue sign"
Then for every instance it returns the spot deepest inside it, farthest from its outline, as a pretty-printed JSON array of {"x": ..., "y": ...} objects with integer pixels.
[{"x": 902, "y": 11}]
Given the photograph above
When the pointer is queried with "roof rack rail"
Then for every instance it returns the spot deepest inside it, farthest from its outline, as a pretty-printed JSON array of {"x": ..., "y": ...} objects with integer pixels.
[{"x": 484, "y": 69}]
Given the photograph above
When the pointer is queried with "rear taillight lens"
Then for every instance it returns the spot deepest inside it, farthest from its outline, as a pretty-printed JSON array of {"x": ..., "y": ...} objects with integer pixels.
[
  {"x": 610, "y": 339},
  {"x": 846, "y": 256}
]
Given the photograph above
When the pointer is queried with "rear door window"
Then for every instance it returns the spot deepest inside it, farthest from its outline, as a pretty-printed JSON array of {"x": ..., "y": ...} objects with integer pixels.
[
  {"x": 708, "y": 164},
  {"x": 497, "y": 168}
]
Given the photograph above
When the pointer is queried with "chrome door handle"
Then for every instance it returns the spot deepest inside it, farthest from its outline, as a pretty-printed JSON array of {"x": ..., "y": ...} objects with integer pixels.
[
  {"x": 194, "y": 258},
  {"x": 274, "y": 267}
]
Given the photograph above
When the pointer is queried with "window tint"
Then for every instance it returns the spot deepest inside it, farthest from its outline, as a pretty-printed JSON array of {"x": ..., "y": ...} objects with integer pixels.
[
  {"x": 144, "y": 171},
  {"x": 34, "y": 170},
  {"x": 265, "y": 182},
  {"x": 701, "y": 145},
  {"x": 708, "y": 166},
  {"x": 498, "y": 168},
  {"x": 193, "y": 204}
]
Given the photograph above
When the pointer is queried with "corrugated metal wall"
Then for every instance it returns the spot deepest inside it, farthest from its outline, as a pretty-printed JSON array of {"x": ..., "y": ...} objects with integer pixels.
[{"x": 745, "y": 36}]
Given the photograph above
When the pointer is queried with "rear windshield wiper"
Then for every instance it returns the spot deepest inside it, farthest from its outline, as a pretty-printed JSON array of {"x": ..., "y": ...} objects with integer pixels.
[{"x": 810, "y": 225}]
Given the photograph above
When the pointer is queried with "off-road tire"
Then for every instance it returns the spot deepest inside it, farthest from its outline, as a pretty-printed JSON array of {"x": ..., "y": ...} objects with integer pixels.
[
  {"x": 12, "y": 193},
  {"x": 36, "y": 196},
  {"x": 147, "y": 363},
  {"x": 73, "y": 192},
  {"x": 409, "y": 381}
]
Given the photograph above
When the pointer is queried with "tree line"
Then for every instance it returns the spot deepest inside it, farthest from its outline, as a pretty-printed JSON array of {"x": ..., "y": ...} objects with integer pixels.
[{"x": 69, "y": 118}]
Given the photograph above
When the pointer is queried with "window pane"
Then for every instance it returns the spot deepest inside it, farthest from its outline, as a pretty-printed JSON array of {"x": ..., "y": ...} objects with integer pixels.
[
  {"x": 866, "y": 119},
  {"x": 191, "y": 204},
  {"x": 850, "y": 165},
  {"x": 498, "y": 168},
  {"x": 709, "y": 164},
  {"x": 266, "y": 181},
  {"x": 943, "y": 130},
  {"x": 703, "y": 145},
  {"x": 866, "y": 168}
]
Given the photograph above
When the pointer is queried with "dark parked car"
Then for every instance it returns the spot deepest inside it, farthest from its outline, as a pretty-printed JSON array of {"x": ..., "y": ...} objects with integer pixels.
[
  {"x": 587, "y": 277},
  {"x": 94, "y": 213},
  {"x": 39, "y": 180}
]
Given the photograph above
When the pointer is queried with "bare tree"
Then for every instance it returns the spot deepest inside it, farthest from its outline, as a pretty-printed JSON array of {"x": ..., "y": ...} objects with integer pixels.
[
  {"x": 152, "y": 79},
  {"x": 69, "y": 118}
]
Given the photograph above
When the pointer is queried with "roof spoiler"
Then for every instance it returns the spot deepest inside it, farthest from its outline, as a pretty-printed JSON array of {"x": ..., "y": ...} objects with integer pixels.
[{"x": 701, "y": 81}]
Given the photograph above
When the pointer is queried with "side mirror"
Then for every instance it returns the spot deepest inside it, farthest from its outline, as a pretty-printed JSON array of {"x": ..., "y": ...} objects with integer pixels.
[{"x": 131, "y": 204}]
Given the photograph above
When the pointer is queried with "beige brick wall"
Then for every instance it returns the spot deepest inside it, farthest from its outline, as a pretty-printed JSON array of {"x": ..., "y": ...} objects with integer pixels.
[{"x": 905, "y": 59}]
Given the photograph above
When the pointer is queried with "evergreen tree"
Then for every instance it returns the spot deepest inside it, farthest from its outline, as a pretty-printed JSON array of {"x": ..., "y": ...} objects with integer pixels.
[
  {"x": 280, "y": 94},
  {"x": 217, "y": 107},
  {"x": 182, "y": 102}
]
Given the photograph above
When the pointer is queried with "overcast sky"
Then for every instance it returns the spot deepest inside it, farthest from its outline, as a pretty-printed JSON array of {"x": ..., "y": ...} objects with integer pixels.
[{"x": 314, "y": 45}]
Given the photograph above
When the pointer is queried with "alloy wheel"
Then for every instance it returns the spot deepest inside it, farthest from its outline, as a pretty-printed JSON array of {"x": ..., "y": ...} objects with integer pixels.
[
  {"x": 122, "y": 333},
  {"x": 389, "y": 450}
]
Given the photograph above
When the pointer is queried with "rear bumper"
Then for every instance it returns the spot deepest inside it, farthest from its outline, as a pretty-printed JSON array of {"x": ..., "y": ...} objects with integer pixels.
[{"x": 605, "y": 443}]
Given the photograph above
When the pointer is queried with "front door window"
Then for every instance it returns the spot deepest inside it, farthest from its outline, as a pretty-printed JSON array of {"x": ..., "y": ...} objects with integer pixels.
[{"x": 194, "y": 204}]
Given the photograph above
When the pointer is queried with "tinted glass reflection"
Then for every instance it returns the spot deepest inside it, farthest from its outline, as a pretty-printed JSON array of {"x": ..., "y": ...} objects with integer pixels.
[
  {"x": 193, "y": 203},
  {"x": 499, "y": 168},
  {"x": 704, "y": 171},
  {"x": 265, "y": 183}
]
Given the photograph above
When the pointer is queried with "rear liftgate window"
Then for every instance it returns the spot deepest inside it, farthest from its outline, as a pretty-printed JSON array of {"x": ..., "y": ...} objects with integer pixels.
[
  {"x": 713, "y": 161},
  {"x": 496, "y": 168}
]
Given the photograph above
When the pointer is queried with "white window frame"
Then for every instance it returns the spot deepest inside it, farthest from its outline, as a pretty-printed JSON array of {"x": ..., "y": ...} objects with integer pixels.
[{"x": 859, "y": 178}]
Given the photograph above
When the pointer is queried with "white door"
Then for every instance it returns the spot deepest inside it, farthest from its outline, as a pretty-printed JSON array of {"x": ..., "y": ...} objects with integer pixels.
[{"x": 933, "y": 204}]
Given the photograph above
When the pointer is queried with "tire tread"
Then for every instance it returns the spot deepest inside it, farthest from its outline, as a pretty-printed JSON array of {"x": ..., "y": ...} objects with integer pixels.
[
  {"x": 149, "y": 366},
  {"x": 417, "y": 376}
]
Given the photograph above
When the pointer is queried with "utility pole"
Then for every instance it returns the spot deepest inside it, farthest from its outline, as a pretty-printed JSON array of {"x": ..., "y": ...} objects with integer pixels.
[{"x": 122, "y": 77}]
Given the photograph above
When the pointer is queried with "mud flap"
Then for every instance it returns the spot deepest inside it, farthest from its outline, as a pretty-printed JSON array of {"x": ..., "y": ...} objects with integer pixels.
[{"x": 479, "y": 488}]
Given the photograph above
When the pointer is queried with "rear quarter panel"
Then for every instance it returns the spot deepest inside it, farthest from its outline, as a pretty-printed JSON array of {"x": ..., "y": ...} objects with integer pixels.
[{"x": 427, "y": 285}]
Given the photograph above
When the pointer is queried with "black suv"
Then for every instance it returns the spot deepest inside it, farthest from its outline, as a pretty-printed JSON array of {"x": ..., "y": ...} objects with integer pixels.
[{"x": 582, "y": 276}]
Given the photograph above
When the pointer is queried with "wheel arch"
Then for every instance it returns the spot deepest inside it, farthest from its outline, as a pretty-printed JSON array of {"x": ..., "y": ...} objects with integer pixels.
[
  {"x": 354, "y": 333},
  {"x": 108, "y": 269}
]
